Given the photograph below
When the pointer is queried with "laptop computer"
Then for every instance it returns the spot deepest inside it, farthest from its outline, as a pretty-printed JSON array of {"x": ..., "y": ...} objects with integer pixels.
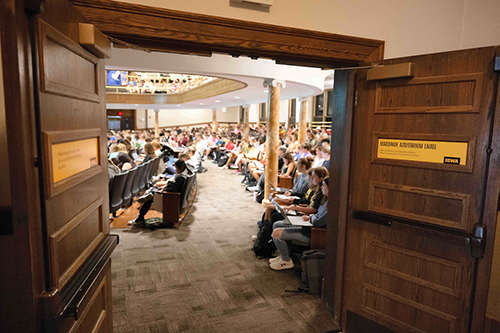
[
  {"x": 278, "y": 189},
  {"x": 290, "y": 220}
]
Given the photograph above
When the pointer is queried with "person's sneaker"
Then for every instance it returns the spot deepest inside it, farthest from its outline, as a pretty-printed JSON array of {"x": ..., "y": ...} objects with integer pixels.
[
  {"x": 254, "y": 238},
  {"x": 273, "y": 260},
  {"x": 224, "y": 167},
  {"x": 234, "y": 166},
  {"x": 280, "y": 264},
  {"x": 254, "y": 188},
  {"x": 136, "y": 221},
  {"x": 145, "y": 198}
]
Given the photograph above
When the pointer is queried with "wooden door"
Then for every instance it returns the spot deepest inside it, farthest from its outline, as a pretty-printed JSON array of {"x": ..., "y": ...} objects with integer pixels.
[
  {"x": 71, "y": 133},
  {"x": 419, "y": 162}
]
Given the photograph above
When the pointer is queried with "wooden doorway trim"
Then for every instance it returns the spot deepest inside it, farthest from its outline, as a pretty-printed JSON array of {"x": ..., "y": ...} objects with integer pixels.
[{"x": 167, "y": 30}]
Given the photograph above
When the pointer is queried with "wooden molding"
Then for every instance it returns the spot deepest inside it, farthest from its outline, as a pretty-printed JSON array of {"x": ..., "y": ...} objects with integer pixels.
[
  {"x": 167, "y": 30},
  {"x": 59, "y": 279}
]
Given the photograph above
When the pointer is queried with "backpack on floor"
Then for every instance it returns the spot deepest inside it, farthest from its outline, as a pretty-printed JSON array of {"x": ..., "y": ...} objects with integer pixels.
[
  {"x": 313, "y": 268},
  {"x": 222, "y": 160},
  {"x": 264, "y": 245}
]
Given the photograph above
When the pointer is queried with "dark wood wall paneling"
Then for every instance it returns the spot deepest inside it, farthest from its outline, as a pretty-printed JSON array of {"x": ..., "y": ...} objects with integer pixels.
[{"x": 182, "y": 32}]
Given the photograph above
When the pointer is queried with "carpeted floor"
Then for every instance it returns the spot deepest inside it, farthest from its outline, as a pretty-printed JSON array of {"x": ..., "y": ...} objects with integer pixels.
[{"x": 203, "y": 277}]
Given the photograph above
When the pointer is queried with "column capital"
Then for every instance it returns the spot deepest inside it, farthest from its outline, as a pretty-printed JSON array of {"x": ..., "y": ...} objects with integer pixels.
[
  {"x": 156, "y": 110},
  {"x": 274, "y": 83}
]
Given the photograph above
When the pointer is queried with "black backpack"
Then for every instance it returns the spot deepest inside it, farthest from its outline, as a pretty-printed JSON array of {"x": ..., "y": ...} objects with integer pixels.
[
  {"x": 264, "y": 245},
  {"x": 222, "y": 160}
]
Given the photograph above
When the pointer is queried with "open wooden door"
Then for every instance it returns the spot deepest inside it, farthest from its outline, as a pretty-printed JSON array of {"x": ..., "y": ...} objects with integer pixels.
[
  {"x": 56, "y": 113},
  {"x": 71, "y": 127},
  {"x": 416, "y": 226}
]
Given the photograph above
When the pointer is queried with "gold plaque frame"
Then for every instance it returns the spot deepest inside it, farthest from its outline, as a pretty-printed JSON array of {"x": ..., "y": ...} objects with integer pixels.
[{"x": 55, "y": 137}]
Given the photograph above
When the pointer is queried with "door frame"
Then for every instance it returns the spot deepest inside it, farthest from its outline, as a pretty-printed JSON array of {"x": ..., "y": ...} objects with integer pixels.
[
  {"x": 318, "y": 49},
  {"x": 160, "y": 29}
]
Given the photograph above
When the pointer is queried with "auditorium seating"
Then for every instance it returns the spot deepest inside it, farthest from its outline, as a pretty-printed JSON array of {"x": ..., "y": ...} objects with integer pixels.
[
  {"x": 129, "y": 184},
  {"x": 136, "y": 185},
  {"x": 175, "y": 206},
  {"x": 127, "y": 189},
  {"x": 144, "y": 181},
  {"x": 116, "y": 192}
]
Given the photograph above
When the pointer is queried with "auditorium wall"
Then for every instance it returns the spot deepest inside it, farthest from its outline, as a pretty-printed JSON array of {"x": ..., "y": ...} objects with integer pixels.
[
  {"x": 408, "y": 27},
  {"x": 5, "y": 199},
  {"x": 172, "y": 117}
]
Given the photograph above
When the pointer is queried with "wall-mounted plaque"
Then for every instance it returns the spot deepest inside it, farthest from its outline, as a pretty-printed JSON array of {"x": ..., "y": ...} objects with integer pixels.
[
  {"x": 441, "y": 152},
  {"x": 71, "y": 157}
]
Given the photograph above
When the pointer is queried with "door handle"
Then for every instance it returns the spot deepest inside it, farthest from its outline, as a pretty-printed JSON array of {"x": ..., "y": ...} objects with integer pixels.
[{"x": 477, "y": 241}]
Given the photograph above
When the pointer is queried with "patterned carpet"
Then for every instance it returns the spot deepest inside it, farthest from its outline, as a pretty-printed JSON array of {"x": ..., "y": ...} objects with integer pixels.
[{"x": 203, "y": 277}]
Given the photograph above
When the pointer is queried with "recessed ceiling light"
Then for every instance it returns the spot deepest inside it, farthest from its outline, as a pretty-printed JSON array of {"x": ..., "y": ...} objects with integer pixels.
[
  {"x": 137, "y": 105},
  {"x": 178, "y": 105},
  {"x": 236, "y": 97},
  {"x": 217, "y": 101},
  {"x": 266, "y": 91},
  {"x": 201, "y": 103}
]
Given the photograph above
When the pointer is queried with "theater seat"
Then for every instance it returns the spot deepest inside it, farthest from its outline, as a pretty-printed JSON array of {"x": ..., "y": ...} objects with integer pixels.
[
  {"x": 317, "y": 240},
  {"x": 116, "y": 198},
  {"x": 136, "y": 184},
  {"x": 127, "y": 189}
]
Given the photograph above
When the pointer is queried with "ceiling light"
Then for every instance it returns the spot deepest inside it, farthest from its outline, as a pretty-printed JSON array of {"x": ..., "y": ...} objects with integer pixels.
[
  {"x": 178, "y": 105},
  {"x": 217, "y": 101},
  {"x": 237, "y": 97},
  {"x": 137, "y": 105},
  {"x": 201, "y": 103},
  {"x": 266, "y": 91}
]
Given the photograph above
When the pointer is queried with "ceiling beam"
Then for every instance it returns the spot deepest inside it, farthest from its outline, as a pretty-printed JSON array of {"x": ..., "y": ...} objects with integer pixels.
[{"x": 167, "y": 30}]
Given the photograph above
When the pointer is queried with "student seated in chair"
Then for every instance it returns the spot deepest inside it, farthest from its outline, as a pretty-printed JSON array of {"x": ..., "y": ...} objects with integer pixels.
[
  {"x": 283, "y": 233},
  {"x": 174, "y": 184}
]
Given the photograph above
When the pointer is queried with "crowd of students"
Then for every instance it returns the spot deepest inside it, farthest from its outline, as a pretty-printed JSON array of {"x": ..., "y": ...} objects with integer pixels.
[{"x": 305, "y": 164}]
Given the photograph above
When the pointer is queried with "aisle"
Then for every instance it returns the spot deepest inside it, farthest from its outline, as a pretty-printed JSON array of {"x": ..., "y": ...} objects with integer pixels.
[{"x": 203, "y": 277}]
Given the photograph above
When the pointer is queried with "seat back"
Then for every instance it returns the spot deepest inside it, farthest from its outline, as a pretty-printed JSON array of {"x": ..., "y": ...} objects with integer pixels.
[
  {"x": 150, "y": 169},
  {"x": 186, "y": 191},
  {"x": 136, "y": 184},
  {"x": 116, "y": 199},
  {"x": 154, "y": 168},
  {"x": 127, "y": 189},
  {"x": 143, "y": 181}
]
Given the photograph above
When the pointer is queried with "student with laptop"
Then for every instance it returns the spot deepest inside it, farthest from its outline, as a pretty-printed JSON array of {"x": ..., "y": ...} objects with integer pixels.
[
  {"x": 283, "y": 233},
  {"x": 307, "y": 204}
]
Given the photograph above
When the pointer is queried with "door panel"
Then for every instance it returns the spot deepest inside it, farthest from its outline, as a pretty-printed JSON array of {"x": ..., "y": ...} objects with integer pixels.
[
  {"x": 71, "y": 121},
  {"x": 71, "y": 109},
  {"x": 415, "y": 273}
]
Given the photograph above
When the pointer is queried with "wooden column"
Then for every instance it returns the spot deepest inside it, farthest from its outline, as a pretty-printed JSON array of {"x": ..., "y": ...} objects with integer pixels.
[
  {"x": 246, "y": 129},
  {"x": 272, "y": 138},
  {"x": 303, "y": 121},
  {"x": 215, "y": 125},
  {"x": 157, "y": 124}
]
